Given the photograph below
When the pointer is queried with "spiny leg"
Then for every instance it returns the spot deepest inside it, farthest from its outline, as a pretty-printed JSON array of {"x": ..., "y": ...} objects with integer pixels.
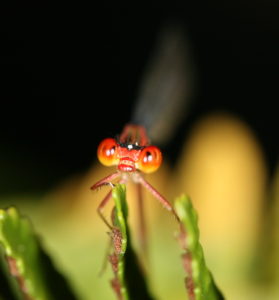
[
  {"x": 105, "y": 181},
  {"x": 100, "y": 183},
  {"x": 101, "y": 208},
  {"x": 141, "y": 224},
  {"x": 158, "y": 196}
]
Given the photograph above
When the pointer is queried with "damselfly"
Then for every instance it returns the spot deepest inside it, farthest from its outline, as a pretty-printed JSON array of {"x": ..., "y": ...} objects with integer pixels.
[
  {"x": 132, "y": 154},
  {"x": 162, "y": 101}
]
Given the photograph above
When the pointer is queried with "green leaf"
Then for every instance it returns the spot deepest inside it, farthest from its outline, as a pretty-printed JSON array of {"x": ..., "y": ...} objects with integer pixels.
[
  {"x": 34, "y": 274},
  {"x": 199, "y": 281},
  {"x": 129, "y": 281},
  {"x": 121, "y": 214},
  {"x": 5, "y": 290}
]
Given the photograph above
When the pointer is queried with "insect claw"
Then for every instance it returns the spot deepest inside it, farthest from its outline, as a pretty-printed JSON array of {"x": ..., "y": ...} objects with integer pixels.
[{"x": 112, "y": 185}]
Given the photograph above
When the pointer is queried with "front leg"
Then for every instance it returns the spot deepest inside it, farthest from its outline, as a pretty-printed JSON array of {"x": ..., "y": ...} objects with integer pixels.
[
  {"x": 101, "y": 208},
  {"x": 141, "y": 220},
  {"x": 105, "y": 181}
]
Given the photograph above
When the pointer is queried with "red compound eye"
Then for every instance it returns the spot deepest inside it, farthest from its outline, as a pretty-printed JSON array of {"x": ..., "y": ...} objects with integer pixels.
[
  {"x": 150, "y": 159},
  {"x": 107, "y": 152}
]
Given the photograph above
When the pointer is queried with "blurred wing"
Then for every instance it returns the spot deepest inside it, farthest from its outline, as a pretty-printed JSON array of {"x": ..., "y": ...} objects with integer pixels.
[{"x": 165, "y": 92}]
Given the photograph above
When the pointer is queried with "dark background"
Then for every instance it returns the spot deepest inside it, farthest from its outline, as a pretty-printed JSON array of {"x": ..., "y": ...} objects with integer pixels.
[{"x": 69, "y": 76}]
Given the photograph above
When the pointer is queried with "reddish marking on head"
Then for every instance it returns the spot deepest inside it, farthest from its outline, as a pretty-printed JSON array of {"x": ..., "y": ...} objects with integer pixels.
[
  {"x": 126, "y": 165},
  {"x": 127, "y": 159}
]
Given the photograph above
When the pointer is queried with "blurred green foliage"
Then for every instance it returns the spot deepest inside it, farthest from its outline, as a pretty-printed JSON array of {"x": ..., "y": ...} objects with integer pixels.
[
  {"x": 129, "y": 281},
  {"x": 33, "y": 275},
  {"x": 199, "y": 280}
]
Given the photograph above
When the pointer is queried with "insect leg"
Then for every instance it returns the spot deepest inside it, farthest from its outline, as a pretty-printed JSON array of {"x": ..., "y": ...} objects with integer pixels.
[
  {"x": 141, "y": 223},
  {"x": 101, "y": 208},
  {"x": 105, "y": 181},
  {"x": 158, "y": 196}
]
